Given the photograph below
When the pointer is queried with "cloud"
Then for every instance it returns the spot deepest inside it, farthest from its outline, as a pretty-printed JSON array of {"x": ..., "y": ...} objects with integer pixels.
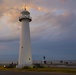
[
  {"x": 9, "y": 26},
  {"x": 8, "y": 31},
  {"x": 49, "y": 21},
  {"x": 9, "y": 47},
  {"x": 63, "y": 1},
  {"x": 3, "y": 47},
  {"x": 55, "y": 27}
]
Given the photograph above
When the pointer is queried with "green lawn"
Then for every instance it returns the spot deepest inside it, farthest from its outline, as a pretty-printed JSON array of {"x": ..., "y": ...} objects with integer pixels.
[{"x": 51, "y": 69}]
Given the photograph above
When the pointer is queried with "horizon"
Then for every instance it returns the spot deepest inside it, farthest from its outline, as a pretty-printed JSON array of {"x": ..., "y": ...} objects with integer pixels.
[{"x": 14, "y": 58}]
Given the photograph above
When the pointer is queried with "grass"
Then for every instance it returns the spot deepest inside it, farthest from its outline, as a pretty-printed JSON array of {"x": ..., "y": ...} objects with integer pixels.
[{"x": 51, "y": 69}]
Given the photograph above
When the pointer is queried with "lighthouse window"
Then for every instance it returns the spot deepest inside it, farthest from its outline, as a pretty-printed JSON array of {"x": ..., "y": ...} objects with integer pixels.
[
  {"x": 22, "y": 47},
  {"x": 29, "y": 58}
]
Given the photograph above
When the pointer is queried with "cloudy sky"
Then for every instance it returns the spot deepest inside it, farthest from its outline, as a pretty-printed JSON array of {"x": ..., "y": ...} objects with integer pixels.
[{"x": 53, "y": 27}]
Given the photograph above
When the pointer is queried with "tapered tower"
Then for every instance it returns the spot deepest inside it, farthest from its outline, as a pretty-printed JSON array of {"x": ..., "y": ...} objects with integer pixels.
[{"x": 25, "y": 55}]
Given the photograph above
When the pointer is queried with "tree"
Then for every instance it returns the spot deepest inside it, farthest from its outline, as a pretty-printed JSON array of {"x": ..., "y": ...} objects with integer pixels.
[
  {"x": 51, "y": 62},
  {"x": 66, "y": 63},
  {"x": 61, "y": 61}
]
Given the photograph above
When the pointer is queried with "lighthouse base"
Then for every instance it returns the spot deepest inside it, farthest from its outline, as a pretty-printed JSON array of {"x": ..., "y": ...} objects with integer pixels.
[{"x": 23, "y": 65}]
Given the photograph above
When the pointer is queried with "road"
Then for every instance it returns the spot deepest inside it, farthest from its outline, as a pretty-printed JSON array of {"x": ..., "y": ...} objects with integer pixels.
[{"x": 31, "y": 73}]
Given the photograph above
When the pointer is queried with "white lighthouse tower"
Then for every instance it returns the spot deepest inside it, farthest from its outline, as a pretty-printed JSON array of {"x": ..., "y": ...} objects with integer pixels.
[{"x": 25, "y": 55}]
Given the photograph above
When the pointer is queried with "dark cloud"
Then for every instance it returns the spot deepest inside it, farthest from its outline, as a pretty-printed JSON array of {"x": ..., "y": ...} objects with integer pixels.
[
  {"x": 9, "y": 47},
  {"x": 53, "y": 32},
  {"x": 56, "y": 35},
  {"x": 64, "y": 25},
  {"x": 57, "y": 49}
]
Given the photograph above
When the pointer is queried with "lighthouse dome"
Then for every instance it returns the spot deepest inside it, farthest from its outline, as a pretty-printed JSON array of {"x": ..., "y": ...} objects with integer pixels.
[
  {"x": 25, "y": 15},
  {"x": 25, "y": 12}
]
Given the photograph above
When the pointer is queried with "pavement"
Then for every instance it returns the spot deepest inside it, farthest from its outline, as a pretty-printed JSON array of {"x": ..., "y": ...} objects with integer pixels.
[{"x": 31, "y": 73}]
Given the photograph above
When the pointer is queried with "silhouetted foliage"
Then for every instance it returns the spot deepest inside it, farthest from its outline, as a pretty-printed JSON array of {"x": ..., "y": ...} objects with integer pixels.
[
  {"x": 66, "y": 63},
  {"x": 44, "y": 62},
  {"x": 51, "y": 62},
  {"x": 38, "y": 66},
  {"x": 12, "y": 65},
  {"x": 61, "y": 61}
]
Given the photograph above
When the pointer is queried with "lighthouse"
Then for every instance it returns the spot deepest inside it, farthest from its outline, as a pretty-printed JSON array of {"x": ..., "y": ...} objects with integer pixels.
[{"x": 25, "y": 55}]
